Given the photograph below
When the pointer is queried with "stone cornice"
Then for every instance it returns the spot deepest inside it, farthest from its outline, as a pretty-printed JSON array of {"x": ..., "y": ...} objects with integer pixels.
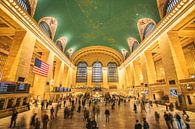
[
  {"x": 163, "y": 26},
  {"x": 29, "y": 24}
]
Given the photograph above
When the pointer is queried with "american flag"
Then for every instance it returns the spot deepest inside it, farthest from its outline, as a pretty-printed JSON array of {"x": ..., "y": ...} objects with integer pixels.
[{"x": 40, "y": 68}]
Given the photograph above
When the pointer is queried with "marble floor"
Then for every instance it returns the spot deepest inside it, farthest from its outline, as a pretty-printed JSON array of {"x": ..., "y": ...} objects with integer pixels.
[{"x": 122, "y": 117}]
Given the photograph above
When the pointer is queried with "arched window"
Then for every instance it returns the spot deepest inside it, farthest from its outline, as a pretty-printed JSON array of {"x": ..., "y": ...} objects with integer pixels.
[
  {"x": 97, "y": 72},
  {"x": 170, "y": 5},
  {"x": 25, "y": 4},
  {"x": 81, "y": 72},
  {"x": 135, "y": 46},
  {"x": 59, "y": 45},
  {"x": 125, "y": 53},
  {"x": 45, "y": 27},
  {"x": 112, "y": 72},
  {"x": 148, "y": 29}
]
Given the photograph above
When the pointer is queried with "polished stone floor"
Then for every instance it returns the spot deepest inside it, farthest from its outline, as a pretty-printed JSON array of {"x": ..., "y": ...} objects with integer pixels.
[{"x": 122, "y": 117}]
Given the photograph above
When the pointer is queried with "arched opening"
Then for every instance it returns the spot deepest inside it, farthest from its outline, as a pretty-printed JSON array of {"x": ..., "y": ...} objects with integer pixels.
[
  {"x": 81, "y": 72},
  {"x": 135, "y": 46},
  {"x": 59, "y": 45},
  {"x": 45, "y": 27},
  {"x": 170, "y": 5},
  {"x": 112, "y": 72},
  {"x": 25, "y": 4},
  {"x": 97, "y": 72},
  {"x": 148, "y": 29},
  {"x": 145, "y": 27}
]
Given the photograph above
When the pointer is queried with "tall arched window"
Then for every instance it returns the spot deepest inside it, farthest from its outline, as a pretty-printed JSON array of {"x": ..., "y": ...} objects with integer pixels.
[
  {"x": 148, "y": 29},
  {"x": 97, "y": 72},
  {"x": 25, "y": 4},
  {"x": 59, "y": 45},
  {"x": 135, "y": 46},
  {"x": 45, "y": 27},
  {"x": 170, "y": 5},
  {"x": 81, "y": 72},
  {"x": 112, "y": 72}
]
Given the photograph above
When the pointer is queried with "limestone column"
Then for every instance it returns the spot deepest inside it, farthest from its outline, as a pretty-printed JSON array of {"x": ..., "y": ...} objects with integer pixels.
[
  {"x": 129, "y": 75},
  {"x": 50, "y": 77},
  {"x": 149, "y": 71},
  {"x": 144, "y": 70},
  {"x": 61, "y": 71},
  {"x": 132, "y": 74},
  {"x": 69, "y": 78},
  {"x": 150, "y": 67},
  {"x": 73, "y": 77},
  {"x": 126, "y": 79},
  {"x": 64, "y": 78},
  {"x": 105, "y": 77},
  {"x": 89, "y": 76},
  {"x": 121, "y": 78},
  {"x": 178, "y": 55},
  {"x": 57, "y": 73},
  {"x": 136, "y": 71},
  {"x": 173, "y": 71},
  {"x": 19, "y": 59},
  {"x": 40, "y": 86}
]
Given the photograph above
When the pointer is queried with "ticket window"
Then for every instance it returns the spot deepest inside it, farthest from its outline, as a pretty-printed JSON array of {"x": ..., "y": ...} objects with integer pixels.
[
  {"x": 2, "y": 102},
  {"x": 18, "y": 101},
  {"x": 10, "y": 103}
]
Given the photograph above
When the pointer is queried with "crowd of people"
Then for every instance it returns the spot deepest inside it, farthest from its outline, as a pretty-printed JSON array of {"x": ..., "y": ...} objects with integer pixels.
[{"x": 90, "y": 108}]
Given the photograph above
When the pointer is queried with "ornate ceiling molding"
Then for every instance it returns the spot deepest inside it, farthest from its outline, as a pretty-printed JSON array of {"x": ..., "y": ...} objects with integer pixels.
[{"x": 97, "y": 50}]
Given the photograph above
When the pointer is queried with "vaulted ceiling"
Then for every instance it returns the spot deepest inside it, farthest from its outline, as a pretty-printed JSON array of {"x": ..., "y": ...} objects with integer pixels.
[{"x": 97, "y": 22}]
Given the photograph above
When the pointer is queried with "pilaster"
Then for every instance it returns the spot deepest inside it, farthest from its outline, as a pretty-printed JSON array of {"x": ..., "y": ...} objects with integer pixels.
[
  {"x": 19, "y": 59},
  {"x": 89, "y": 76},
  {"x": 150, "y": 67},
  {"x": 105, "y": 77}
]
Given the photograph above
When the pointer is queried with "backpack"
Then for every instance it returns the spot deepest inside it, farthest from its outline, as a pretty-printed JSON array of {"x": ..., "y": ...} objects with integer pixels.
[
  {"x": 178, "y": 117},
  {"x": 187, "y": 118},
  {"x": 146, "y": 125}
]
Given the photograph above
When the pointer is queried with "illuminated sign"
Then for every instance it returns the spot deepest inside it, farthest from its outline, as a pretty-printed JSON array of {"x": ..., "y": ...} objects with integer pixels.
[{"x": 173, "y": 92}]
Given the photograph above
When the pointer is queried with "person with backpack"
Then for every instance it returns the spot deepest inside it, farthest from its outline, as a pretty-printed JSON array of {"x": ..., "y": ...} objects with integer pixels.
[
  {"x": 178, "y": 120},
  {"x": 167, "y": 120},
  {"x": 186, "y": 119},
  {"x": 107, "y": 114},
  {"x": 157, "y": 117},
  {"x": 13, "y": 118},
  {"x": 138, "y": 125},
  {"x": 171, "y": 119},
  {"x": 135, "y": 108},
  {"x": 79, "y": 108},
  {"x": 145, "y": 124},
  {"x": 33, "y": 120},
  {"x": 45, "y": 120},
  {"x": 37, "y": 124},
  {"x": 88, "y": 125},
  {"x": 52, "y": 113},
  {"x": 93, "y": 124}
]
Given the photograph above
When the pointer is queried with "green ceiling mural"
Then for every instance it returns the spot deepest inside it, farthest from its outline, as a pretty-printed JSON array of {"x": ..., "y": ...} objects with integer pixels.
[{"x": 97, "y": 22}]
